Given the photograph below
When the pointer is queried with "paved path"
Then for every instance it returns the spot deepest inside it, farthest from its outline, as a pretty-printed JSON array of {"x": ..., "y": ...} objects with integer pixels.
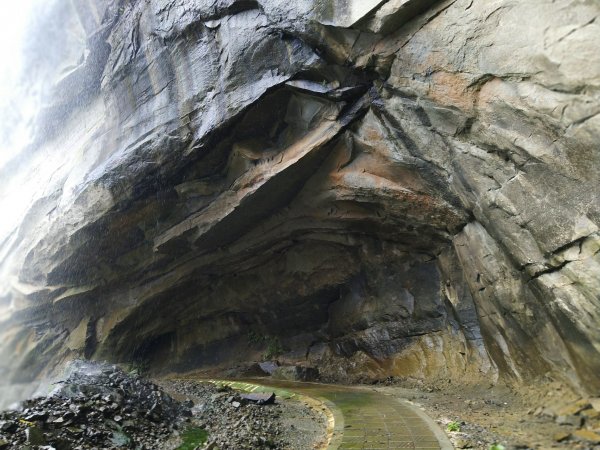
[{"x": 361, "y": 418}]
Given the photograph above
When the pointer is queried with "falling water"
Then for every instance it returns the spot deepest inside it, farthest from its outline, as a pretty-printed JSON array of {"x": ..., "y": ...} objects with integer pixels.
[
  {"x": 17, "y": 104},
  {"x": 40, "y": 41}
]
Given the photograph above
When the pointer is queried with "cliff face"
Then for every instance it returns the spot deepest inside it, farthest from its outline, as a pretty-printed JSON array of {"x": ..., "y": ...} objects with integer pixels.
[{"x": 374, "y": 188}]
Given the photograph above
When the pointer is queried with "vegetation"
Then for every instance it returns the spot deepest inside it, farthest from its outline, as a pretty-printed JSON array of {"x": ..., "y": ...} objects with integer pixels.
[
  {"x": 453, "y": 426},
  {"x": 274, "y": 348},
  {"x": 138, "y": 367},
  {"x": 255, "y": 338},
  {"x": 273, "y": 345},
  {"x": 192, "y": 438},
  {"x": 497, "y": 447}
]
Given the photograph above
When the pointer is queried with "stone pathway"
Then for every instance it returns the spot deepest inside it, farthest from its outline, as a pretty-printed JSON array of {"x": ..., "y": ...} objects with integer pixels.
[{"x": 361, "y": 418}]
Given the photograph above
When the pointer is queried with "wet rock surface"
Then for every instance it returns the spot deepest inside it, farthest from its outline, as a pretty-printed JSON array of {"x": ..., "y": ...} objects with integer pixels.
[
  {"x": 96, "y": 407},
  {"x": 373, "y": 188}
]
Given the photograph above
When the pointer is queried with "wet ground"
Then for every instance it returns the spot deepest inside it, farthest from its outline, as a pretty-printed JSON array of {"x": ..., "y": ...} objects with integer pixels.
[
  {"x": 101, "y": 406},
  {"x": 362, "y": 418},
  {"x": 542, "y": 416},
  {"x": 234, "y": 423},
  {"x": 480, "y": 417}
]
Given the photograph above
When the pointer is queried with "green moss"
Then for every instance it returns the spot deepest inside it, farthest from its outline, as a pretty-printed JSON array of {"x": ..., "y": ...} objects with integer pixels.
[
  {"x": 192, "y": 438},
  {"x": 246, "y": 387}
]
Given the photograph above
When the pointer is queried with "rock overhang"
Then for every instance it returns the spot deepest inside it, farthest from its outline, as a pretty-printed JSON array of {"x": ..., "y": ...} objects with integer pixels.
[{"x": 348, "y": 185}]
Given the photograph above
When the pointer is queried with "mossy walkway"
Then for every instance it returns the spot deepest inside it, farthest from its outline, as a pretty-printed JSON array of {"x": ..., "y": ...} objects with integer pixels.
[{"x": 360, "y": 418}]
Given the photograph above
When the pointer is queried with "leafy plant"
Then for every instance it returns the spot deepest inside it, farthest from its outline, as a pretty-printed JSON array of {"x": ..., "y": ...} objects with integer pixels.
[
  {"x": 274, "y": 348},
  {"x": 497, "y": 447},
  {"x": 272, "y": 343},
  {"x": 138, "y": 367},
  {"x": 453, "y": 426},
  {"x": 255, "y": 338}
]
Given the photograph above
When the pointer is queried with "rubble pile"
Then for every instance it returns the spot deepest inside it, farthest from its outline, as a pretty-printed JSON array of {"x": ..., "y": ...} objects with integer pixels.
[
  {"x": 96, "y": 406},
  {"x": 235, "y": 420}
]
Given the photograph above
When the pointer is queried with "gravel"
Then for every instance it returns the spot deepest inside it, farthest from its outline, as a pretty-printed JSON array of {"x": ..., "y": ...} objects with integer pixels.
[{"x": 233, "y": 422}]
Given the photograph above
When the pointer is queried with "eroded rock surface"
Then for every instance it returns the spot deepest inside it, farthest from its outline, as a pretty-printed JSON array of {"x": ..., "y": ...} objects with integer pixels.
[{"x": 374, "y": 188}]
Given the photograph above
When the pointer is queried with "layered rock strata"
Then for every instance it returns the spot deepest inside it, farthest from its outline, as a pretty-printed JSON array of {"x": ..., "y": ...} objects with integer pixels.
[{"x": 374, "y": 188}]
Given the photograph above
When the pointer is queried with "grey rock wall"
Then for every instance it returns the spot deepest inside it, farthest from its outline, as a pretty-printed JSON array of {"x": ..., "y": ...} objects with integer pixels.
[{"x": 380, "y": 188}]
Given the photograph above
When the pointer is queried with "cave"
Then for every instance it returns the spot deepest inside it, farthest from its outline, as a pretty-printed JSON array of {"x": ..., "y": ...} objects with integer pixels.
[{"x": 370, "y": 190}]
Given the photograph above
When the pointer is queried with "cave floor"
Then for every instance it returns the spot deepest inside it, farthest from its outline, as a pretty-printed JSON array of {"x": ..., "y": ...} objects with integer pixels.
[
  {"x": 515, "y": 417},
  {"x": 400, "y": 415},
  {"x": 362, "y": 418},
  {"x": 396, "y": 414}
]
